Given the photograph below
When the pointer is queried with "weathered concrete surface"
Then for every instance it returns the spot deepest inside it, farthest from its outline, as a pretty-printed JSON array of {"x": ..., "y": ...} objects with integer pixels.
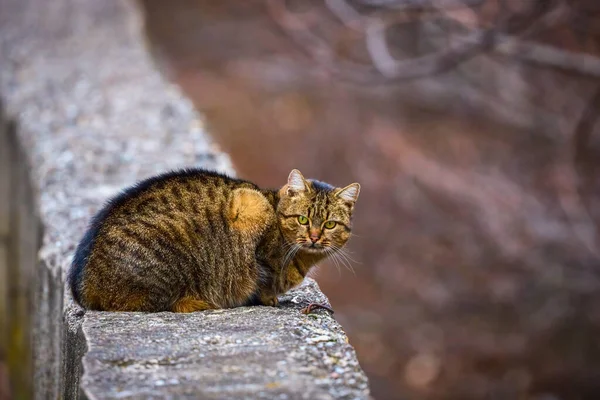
[
  {"x": 19, "y": 243},
  {"x": 249, "y": 352},
  {"x": 93, "y": 116},
  {"x": 4, "y": 229}
]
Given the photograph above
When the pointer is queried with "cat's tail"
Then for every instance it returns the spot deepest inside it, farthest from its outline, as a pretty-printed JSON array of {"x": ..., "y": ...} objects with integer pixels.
[{"x": 77, "y": 268}]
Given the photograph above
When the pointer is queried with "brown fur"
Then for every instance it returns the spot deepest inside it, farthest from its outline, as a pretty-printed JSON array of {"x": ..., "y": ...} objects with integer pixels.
[
  {"x": 195, "y": 240},
  {"x": 189, "y": 304},
  {"x": 250, "y": 212}
]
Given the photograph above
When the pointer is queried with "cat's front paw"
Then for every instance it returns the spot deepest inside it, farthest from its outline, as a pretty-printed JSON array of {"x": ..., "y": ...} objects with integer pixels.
[{"x": 271, "y": 301}]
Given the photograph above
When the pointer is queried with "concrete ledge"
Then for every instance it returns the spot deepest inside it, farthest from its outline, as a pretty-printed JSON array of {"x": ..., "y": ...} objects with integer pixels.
[
  {"x": 93, "y": 115},
  {"x": 19, "y": 243},
  {"x": 248, "y": 352}
]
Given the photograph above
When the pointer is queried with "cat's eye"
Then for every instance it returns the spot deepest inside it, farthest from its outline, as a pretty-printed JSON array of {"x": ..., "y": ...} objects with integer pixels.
[
  {"x": 330, "y": 224},
  {"x": 303, "y": 220}
]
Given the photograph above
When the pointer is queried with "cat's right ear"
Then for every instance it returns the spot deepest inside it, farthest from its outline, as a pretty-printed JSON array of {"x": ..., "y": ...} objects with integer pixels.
[
  {"x": 296, "y": 183},
  {"x": 349, "y": 194}
]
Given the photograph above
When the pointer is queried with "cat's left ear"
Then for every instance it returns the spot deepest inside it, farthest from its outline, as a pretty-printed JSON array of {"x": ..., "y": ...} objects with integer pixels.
[
  {"x": 350, "y": 193},
  {"x": 296, "y": 183}
]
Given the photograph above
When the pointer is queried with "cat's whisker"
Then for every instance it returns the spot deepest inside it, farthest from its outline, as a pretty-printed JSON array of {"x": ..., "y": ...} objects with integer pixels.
[
  {"x": 346, "y": 250},
  {"x": 287, "y": 253},
  {"x": 348, "y": 263},
  {"x": 345, "y": 262},
  {"x": 289, "y": 246},
  {"x": 344, "y": 258},
  {"x": 284, "y": 263},
  {"x": 290, "y": 254},
  {"x": 346, "y": 253},
  {"x": 348, "y": 257},
  {"x": 331, "y": 253},
  {"x": 339, "y": 263}
]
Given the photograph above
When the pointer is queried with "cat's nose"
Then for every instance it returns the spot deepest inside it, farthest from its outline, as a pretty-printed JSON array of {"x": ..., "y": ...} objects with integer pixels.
[{"x": 314, "y": 239}]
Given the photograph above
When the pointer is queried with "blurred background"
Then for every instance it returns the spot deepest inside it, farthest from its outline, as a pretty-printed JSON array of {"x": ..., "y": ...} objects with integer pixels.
[{"x": 472, "y": 128}]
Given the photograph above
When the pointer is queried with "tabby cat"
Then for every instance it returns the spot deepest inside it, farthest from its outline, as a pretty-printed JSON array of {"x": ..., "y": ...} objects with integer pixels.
[{"x": 194, "y": 240}]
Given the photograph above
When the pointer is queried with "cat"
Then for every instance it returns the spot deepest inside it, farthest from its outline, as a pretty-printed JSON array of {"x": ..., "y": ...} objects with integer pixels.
[{"x": 194, "y": 240}]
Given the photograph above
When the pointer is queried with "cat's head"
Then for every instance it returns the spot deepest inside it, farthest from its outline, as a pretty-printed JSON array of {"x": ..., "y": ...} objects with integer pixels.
[{"x": 315, "y": 215}]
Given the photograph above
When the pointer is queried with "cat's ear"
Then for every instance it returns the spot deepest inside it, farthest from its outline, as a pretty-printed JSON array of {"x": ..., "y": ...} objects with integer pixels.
[
  {"x": 296, "y": 183},
  {"x": 350, "y": 193}
]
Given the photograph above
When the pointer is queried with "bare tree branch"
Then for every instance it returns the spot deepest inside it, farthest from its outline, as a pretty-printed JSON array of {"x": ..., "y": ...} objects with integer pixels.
[
  {"x": 585, "y": 127},
  {"x": 422, "y": 4},
  {"x": 475, "y": 43},
  {"x": 549, "y": 57},
  {"x": 431, "y": 64},
  {"x": 385, "y": 67},
  {"x": 568, "y": 177}
]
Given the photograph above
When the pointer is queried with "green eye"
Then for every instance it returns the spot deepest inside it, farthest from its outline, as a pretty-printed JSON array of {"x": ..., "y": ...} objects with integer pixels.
[
  {"x": 303, "y": 220},
  {"x": 330, "y": 224}
]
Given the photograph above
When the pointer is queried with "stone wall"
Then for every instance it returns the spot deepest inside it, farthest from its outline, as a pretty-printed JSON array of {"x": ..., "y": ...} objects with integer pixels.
[
  {"x": 93, "y": 116},
  {"x": 19, "y": 241},
  {"x": 4, "y": 215}
]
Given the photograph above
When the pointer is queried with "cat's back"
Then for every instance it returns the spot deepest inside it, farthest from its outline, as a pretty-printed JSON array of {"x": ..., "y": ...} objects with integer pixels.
[
  {"x": 189, "y": 190},
  {"x": 154, "y": 222}
]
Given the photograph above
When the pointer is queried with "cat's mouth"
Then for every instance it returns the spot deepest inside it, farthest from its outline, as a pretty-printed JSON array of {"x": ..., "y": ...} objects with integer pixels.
[{"x": 313, "y": 247}]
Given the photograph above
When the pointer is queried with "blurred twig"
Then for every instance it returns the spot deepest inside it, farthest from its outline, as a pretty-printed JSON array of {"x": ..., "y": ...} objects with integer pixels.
[
  {"x": 569, "y": 177},
  {"x": 549, "y": 57},
  {"x": 505, "y": 38},
  {"x": 423, "y": 4},
  {"x": 585, "y": 127},
  {"x": 427, "y": 65}
]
